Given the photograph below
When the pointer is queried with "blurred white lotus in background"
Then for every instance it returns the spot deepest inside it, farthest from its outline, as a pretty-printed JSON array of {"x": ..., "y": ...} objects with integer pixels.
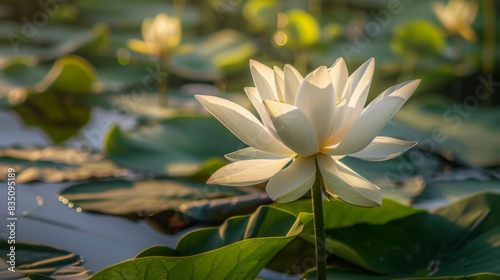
[
  {"x": 161, "y": 35},
  {"x": 308, "y": 125},
  {"x": 457, "y": 17}
]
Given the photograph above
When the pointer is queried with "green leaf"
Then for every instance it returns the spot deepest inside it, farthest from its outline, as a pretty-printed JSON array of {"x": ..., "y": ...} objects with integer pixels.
[
  {"x": 168, "y": 205},
  {"x": 55, "y": 164},
  {"x": 35, "y": 276},
  {"x": 51, "y": 104},
  {"x": 462, "y": 238},
  {"x": 121, "y": 197},
  {"x": 131, "y": 13},
  {"x": 40, "y": 259},
  {"x": 238, "y": 249},
  {"x": 469, "y": 133},
  {"x": 341, "y": 214},
  {"x": 399, "y": 179},
  {"x": 418, "y": 37},
  {"x": 261, "y": 14},
  {"x": 175, "y": 147},
  {"x": 302, "y": 30},
  {"x": 212, "y": 57},
  {"x": 46, "y": 44},
  {"x": 145, "y": 104},
  {"x": 69, "y": 74},
  {"x": 23, "y": 71},
  {"x": 363, "y": 275},
  {"x": 337, "y": 214},
  {"x": 59, "y": 116},
  {"x": 478, "y": 276},
  {"x": 441, "y": 193}
]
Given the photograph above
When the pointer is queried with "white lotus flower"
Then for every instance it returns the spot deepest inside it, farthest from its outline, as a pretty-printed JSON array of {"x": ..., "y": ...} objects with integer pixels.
[
  {"x": 161, "y": 35},
  {"x": 308, "y": 125},
  {"x": 457, "y": 16}
]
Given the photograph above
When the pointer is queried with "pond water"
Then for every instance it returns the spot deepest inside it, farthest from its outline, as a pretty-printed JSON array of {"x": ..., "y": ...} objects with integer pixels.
[{"x": 101, "y": 240}]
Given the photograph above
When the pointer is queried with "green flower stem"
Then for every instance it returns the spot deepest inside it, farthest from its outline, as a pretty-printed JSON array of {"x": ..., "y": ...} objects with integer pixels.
[
  {"x": 319, "y": 226},
  {"x": 163, "y": 83},
  {"x": 488, "y": 61},
  {"x": 408, "y": 67}
]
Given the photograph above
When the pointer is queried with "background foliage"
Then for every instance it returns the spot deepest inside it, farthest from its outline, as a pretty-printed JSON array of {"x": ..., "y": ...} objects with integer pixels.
[{"x": 84, "y": 126}]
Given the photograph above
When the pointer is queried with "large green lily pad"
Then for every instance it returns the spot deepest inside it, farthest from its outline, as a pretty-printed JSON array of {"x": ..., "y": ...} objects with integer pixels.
[
  {"x": 212, "y": 57},
  {"x": 238, "y": 249},
  {"x": 462, "y": 238},
  {"x": 121, "y": 197},
  {"x": 169, "y": 205},
  {"x": 337, "y": 214},
  {"x": 443, "y": 192},
  {"x": 55, "y": 164},
  {"x": 131, "y": 13},
  {"x": 47, "y": 43},
  {"x": 51, "y": 104},
  {"x": 180, "y": 146},
  {"x": 470, "y": 133},
  {"x": 40, "y": 259}
]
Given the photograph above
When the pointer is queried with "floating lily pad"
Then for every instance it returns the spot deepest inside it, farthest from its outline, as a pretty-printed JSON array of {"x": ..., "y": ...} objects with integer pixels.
[
  {"x": 402, "y": 178},
  {"x": 50, "y": 42},
  {"x": 337, "y": 214},
  {"x": 359, "y": 275},
  {"x": 399, "y": 179},
  {"x": 168, "y": 205},
  {"x": 440, "y": 193},
  {"x": 462, "y": 238},
  {"x": 51, "y": 104},
  {"x": 55, "y": 164},
  {"x": 468, "y": 132},
  {"x": 214, "y": 211},
  {"x": 238, "y": 249},
  {"x": 71, "y": 75},
  {"x": 418, "y": 37},
  {"x": 42, "y": 260},
  {"x": 179, "y": 146},
  {"x": 120, "y": 197},
  {"x": 131, "y": 13},
  {"x": 212, "y": 57},
  {"x": 22, "y": 72},
  {"x": 348, "y": 215}
]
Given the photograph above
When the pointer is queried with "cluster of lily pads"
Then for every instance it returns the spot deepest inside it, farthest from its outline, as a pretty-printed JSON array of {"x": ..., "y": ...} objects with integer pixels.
[{"x": 439, "y": 218}]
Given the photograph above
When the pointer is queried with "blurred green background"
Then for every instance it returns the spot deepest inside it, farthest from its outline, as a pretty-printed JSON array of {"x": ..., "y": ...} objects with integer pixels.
[
  {"x": 88, "y": 39},
  {"x": 121, "y": 128}
]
